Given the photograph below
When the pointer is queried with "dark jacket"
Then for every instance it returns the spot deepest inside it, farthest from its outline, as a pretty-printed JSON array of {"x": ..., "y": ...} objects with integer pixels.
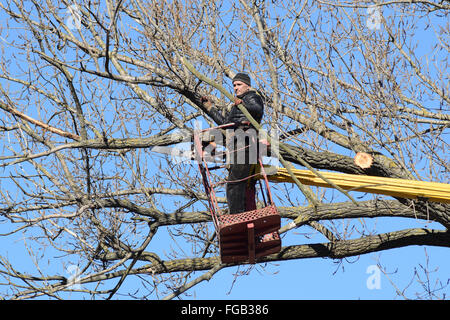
[{"x": 251, "y": 100}]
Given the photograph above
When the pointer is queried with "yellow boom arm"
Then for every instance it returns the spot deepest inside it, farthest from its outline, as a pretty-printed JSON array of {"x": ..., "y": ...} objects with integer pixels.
[{"x": 402, "y": 188}]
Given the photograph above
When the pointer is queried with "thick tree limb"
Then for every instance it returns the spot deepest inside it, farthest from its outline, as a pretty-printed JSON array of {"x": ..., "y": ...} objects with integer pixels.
[{"x": 334, "y": 250}]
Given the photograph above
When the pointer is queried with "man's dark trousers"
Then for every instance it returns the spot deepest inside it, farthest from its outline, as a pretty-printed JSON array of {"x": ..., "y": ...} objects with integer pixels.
[{"x": 241, "y": 186}]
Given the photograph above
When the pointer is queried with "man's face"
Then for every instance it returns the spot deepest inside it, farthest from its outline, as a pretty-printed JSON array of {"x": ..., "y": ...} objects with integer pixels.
[{"x": 240, "y": 87}]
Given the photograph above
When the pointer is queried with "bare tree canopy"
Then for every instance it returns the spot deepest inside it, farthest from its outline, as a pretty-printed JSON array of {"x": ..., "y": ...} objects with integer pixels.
[{"x": 88, "y": 88}]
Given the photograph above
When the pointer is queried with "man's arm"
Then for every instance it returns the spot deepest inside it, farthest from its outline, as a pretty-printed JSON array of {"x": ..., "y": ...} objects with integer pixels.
[{"x": 254, "y": 105}]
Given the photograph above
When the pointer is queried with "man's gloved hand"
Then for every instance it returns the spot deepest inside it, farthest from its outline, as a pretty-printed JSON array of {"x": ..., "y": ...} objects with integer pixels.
[{"x": 206, "y": 103}]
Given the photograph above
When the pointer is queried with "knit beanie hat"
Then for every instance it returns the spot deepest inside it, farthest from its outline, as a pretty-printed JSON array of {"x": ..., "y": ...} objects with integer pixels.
[{"x": 243, "y": 77}]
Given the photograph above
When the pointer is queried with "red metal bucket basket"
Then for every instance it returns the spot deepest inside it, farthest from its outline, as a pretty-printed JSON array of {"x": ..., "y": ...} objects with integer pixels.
[{"x": 249, "y": 235}]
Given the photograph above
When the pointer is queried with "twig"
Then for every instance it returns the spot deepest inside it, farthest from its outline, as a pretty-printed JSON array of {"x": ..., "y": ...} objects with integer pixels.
[
  {"x": 153, "y": 229},
  {"x": 207, "y": 276}
]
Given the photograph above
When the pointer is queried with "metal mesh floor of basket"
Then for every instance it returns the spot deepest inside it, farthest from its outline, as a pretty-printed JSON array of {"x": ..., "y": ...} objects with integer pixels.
[{"x": 249, "y": 235}]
